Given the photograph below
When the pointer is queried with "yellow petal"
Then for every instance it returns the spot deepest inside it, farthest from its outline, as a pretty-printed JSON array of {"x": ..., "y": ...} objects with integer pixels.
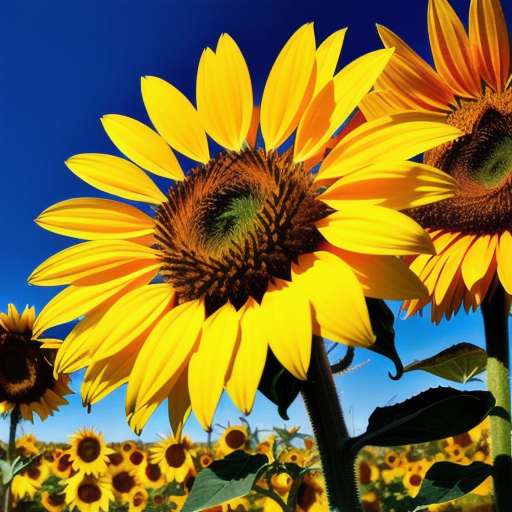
[
  {"x": 327, "y": 56},
  {"x": 450, "y": 264},
  {"x": 95, "y": 219},
  {"x": 224, "y": 94},
  {"x": 373, "y": 229},
  {"x": 115, "y": 176},
  {"x": 333, "y": 104},
  {"x": 477, "y": 259},
  {"x": 387, "y": 139},
  {"x": 75, "y": 301},
  {"x": 286, "y": 314},
  {"x": 208, "y": 366},
  {"x": 503, "y": 256},
  {"x": 488, "y": 38},
  {"x": 378, "y": 103},
  {"x": 450, "y": 48},
  {"x": 249, "y": 361},
  {"x": 163, "y": 356},
  {"x": 138, "y": 419},
  {"x": 142, "y": 145},
  {"x": 289, "y": 87},
  {"x": 133, "y": 314},
  {"x": 179, "y": 407},
  {"x": 397, "y": 186},
  {"x": 94, "y": 262},
  {"x": 410, "y": 77},
  {"x": 175, "y": 118},
  {"x": 339, "y": 308},
  {"x": 382, "y": 277}
]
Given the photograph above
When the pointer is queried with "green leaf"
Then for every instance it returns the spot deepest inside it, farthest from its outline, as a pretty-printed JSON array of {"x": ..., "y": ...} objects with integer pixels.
[
  {"x": 459, "y": 363},
  {"x": 446, "y": 481},
  {"x": 279, "y": 385},
  {"x": 432, "y": 415},
  {"x": 382, "y": 319},
  {"x": 225, "y": 480},
  {"x": 6, "y": 470}
]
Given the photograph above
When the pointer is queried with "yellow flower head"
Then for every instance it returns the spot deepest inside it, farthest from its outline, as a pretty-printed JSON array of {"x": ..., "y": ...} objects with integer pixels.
[
  {"x": 88, "y": 493},
  {"x": 30, "y": 480},
  {"x": 53, "y": 502},
  {"x": 174, "y": 458},
  {"x": 471, "y": 87},
  {"x": 233, "y": 438},
  {"x": 257, "y": 248},
  {"x": 88, "y": 452},
  {"x": 27, "y": 375}
]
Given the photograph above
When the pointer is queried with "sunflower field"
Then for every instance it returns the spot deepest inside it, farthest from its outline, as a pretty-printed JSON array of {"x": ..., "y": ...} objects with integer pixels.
[{"x": 88, "y": 475}]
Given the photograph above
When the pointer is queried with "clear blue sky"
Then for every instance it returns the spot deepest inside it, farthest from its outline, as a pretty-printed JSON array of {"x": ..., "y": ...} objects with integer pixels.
[{"x": 63, "y": 65}]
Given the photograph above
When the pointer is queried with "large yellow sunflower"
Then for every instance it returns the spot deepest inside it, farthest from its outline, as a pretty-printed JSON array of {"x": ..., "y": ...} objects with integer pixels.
[
  {"x": 88, "y": 493},
  {"x": 88, "y": 452},
  {"x": 472, "y": 231},
  {"x": 248, "y": 251},
  {"x": 26, "y": 373}
]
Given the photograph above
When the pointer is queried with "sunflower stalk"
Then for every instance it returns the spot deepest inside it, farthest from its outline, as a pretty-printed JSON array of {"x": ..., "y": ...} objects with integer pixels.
[
  {"x": 495, "y": 314},
  {"x": 15, "y": 419},
  {"x": 325, "y": 413}
]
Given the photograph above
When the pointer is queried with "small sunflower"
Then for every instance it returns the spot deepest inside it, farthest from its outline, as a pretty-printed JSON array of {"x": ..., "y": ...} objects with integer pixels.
[
  {"x": 472, "y": 231},
  {"x": 124, "y": 480},
  {"x": 61, "y": 464},
  {"x": 26, "y": 445},
  {"x": 174, "y": 458},
  {"x": 88, "y": 452},
  {"x": 28, "y": 482},
  {"x": 233, "y": 438},
  {"x": 311, "y": 496},
  {"x": 88, "y": 493},
  {"x": 367, "y": 472},
  {"x": 150, "y": 474},
  {"x": 261, "y": 246},
  {"x": 137, "y": 499},
  {"x": 414, "y": 472},
  {"x": 26, "y": 368},
  {"x": 205, "y": 460},
  {"x": 53, "y": 502}
]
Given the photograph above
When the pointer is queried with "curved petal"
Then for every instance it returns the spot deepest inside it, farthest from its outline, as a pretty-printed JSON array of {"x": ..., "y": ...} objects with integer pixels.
[
  {"x": 488, "y": 38},
  {"x": 209, "y": 366},
  {"x": 378, "y": 103},
  {"x": 286, "y": 314},
  {"x": 339, "y": 308},
  {"x": 289, "y": 87},
  {"x": 503, "y": 256},
  {"x": 333, "y": 104},
  {"x": 224, "y": 94},
  {"x": 142, "y": 145},
  {"x": 392, "y": 138},
  {"x": 115, "y": 176},
  {"x": 397, "y": 186},
  {"x": 95, "y": 262},
  {"x": 477, "y": 259},
  {"x": 450, "y": 48},
  {"x": 163, "y": 357},
  {"x": 179, "y": 406},
  {"x": 175, "y": 118},
  {"x": 248, "y": 363},
  {"x": 327, "y": 56},
  {"x": 381, "y": 277},
  {"x": 370, "y": 229},
  {"x": 94, "y": 219}
]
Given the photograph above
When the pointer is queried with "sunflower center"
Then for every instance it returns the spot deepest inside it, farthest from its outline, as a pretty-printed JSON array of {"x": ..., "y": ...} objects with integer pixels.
[
  {"x": 123, "y": 482},
  {"x": 235, "y": 224},
  {"x": 175, "y": 456},
  {"x": 64, "y": 462},
  {"x": 138, "y": 499},
  {"x": 481, "y": 162},
  {"x": 136, "y": 458},
  {"x": 89, "y": 493},
  {"x": 235, "y": 439},
  {"x": 57, "y": 499},
  {"x": 89, "y": 449},
  {"x": 153, "y": 472}
]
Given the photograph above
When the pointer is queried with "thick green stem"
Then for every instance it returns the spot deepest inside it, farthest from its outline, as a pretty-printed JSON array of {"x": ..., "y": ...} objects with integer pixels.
[
  {"x": 326, "y": 416},
  {"x": 11, "y": 450},
  {"x": 495, "y": 313}
]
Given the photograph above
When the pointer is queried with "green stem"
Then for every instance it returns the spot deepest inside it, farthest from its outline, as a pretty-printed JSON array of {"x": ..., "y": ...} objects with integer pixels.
[
  {"x": 15, "y": 419},
  {"x": 495, "y": 314},
  {"x": 324, "y": 409}
]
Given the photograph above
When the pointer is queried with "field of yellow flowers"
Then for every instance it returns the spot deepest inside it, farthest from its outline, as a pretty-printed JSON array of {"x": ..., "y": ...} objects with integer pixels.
[{"x": 88, "y": 475}]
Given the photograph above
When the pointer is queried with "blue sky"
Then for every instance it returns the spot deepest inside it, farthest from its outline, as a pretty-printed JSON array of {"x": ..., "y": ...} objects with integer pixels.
[{"x": 63, "y": 65}]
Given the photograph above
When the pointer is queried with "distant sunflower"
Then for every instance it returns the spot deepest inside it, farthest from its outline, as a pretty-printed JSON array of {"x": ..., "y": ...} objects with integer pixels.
[
  {"x": 233, "y": 438},
  {"x": 150, "y": 474},
  {"x": 28, "y": 482},
  {"x": 88, "y": 493},
  {"x": 137, "y": 499},
  {"x": 61, "y": 465},
  {"x": 53, "y": 502},
  {"x": 174, "y": 458},
  {"x": 472, "y": 231},
  {"x": 88, "y": 452},
  {"x": 124, "y": 480},
  {"x": 26, "y": 368},
  {"x": 261, "y": 246}
]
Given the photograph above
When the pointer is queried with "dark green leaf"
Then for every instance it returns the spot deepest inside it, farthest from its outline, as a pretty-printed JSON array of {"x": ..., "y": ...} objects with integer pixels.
[
  {"x": 446, "y": 481},
  {"x": 458, "y": 363},
  {"x": 381, "y": 319},
  {"x": 279, "y": 385},
  {"x": 432, "y": 415},
  {"x": 225, "y": 480}
]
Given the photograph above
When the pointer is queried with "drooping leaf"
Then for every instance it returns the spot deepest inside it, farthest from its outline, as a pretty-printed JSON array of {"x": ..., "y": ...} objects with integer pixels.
[
  {"x": 446, "y": 481},
  {"x": 432, "y": 415},
  {"x": 279, "y": 385},
  {"x": 458, "y": 363},
  {"x": 382, "y": 319},
  {"x": 6, "y": 470},
  {"x": 225, "y": 480}
]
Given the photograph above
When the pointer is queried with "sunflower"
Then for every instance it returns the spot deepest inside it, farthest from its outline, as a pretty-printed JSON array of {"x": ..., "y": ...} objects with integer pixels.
[
  {"x": 261, "y": 246},
  {"x": 53, "y": 502},
  {"x": 26, "y": 445},
  {"x": 26, "y": 370},
  {"x": 472, "y": 231},
  {"x": 311, "y": 496},
  {"x": 137, "y": 499},
  {"x": 124, "y": 480},
  {"x": 233, "y": 438},
  {"x": 413, "y": 475},
  {"x": 62, "y": 465},
  {"x": 174, "y": 458},
  {"x": 88, "y": 452},
  {"x": 28, "y": 482},
  {"x": 150, "y": 474},
  {"x": 88, "y": 493}
]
